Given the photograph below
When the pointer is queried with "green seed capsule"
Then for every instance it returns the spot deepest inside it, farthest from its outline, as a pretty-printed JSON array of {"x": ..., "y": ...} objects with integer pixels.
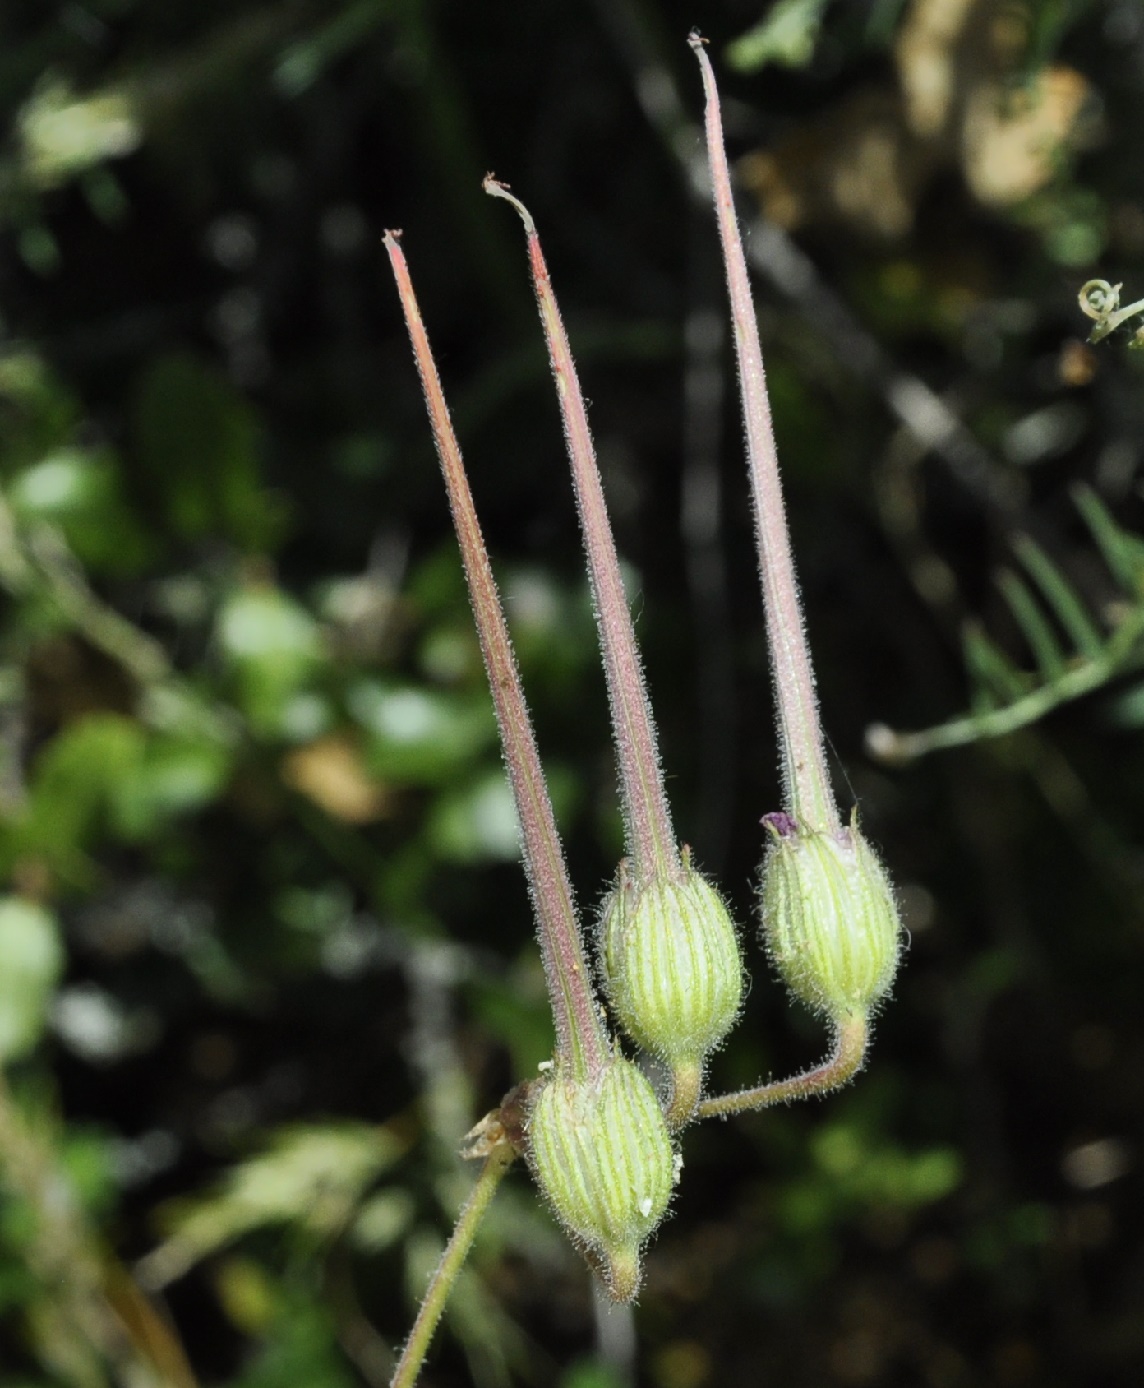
[
  {"x": 829, "y": 918},
  {"x": 600, "y": 1152},
  {"x": 672, "y": 967}
]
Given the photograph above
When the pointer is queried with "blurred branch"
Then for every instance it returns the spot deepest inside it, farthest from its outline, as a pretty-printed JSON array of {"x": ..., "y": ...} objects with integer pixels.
[
  {"x": 63, "y": 134},
  {"x": 78, "y": 1319},
  {"x": 1009, "y": 698},
  {"x": 39, "y": 564},
  {"x": 790, "y": 271}
]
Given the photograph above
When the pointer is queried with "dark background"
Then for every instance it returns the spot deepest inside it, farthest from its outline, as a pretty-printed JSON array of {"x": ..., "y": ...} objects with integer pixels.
[{"x": 250, "y": 772}]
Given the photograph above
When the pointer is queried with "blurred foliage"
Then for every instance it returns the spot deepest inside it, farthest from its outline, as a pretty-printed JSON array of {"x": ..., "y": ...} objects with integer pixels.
[
  {"x": 265, "y": 953},
  {"x": 1006, "y": 698},
  {"x": 787, "y": 35}
]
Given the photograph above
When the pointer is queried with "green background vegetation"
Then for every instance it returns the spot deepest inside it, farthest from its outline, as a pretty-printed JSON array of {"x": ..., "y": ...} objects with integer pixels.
[{"x": 265, "y": 949}]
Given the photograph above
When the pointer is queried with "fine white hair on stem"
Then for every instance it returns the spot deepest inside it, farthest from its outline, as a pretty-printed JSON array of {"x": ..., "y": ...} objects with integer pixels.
[
  {"x": 806, "y": 783},
  {"x": 647, "y": 818}
]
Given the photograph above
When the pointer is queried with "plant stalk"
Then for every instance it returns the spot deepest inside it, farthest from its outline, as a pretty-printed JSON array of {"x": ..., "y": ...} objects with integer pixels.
[
  {"x": 805, "y": 781},
  {"x": 651, "y": 839},
  {"x": 444, "y": 1278},
  {"x": 844, "y": 1062},
  {"x": 580, "y": 1041}
]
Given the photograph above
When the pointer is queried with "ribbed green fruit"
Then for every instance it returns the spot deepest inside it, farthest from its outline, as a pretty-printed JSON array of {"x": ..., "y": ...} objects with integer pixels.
[
  {"x": 672, "y": 967},
  {"x": 829, "y": 918},
  {"x": 600, "y": 1152}
]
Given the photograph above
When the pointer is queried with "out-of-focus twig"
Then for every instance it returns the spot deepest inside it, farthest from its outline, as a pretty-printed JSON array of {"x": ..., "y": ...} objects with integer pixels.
[
  {"x": 92, "y": 1326},
  {"x": 792, "y": 273},
  {"x": 36, "y": 562}
]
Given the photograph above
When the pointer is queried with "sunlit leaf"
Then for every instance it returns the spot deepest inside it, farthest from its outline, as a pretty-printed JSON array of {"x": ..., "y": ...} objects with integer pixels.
[
  {"x": 75, "y": 788},
  {"x": 310, "y": 1177},
  {"x": 420, "y": 735},
  {"x": 176, "y": 775},
  {"x": 786, "y": 35},
  {"x": 31, "y": 962},
  {"x": 80, "y": 492},
  {"x": 273, "y": 645}
]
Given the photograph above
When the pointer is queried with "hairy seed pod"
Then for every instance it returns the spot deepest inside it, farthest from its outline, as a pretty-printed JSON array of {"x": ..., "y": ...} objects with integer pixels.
[
  {"x": 672, "y": 966},
  {"x": 829, "y": 918},
  {"x": 600, "y": 1152}
]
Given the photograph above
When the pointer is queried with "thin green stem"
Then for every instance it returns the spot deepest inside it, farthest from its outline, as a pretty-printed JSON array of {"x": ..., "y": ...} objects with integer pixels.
[
  {"x": 806, "y": 784},
  {"x": 445, "y": 1276},
  {"x": 580, "y": 1040},
  {"x": 651, "y": 840},
  {"x": 686, "y": 1087},
  {"x": 844, "y": 1062},
  {"x": 1122, "y": 648}
]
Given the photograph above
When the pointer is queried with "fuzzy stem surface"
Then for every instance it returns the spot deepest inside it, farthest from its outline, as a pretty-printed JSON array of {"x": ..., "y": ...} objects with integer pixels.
[
  {"x": 850, "y": 1043},
  {"x": 445, "y": 1276},
  {"x": 651, "y": 840},
  {"x": 581, "y": 1044},
  {"x": 806, "y": 784},
  {"x": 686, "y": 1087}
]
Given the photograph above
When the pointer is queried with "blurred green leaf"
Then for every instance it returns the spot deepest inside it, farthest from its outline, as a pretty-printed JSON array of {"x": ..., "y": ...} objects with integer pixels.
[
  {"x": 80, "y": 492},
  {"x": 1123, "y": 552},
  {"x": 786, "y": 35},
  {"x": 1038, "y": 633},
  {"x": 477, "y": 823},
  {"x": 198, "y": 444},
  {"x": 304, "y": 61},
  {"x": 997, "y": 679},
  {"x": 1061, "y": 597},
  {"x": 857, "y": 1169},
  {"x": 39, "y": 413},
  {"x": 107, "y": 774},
  {"x": 420, "y": 736},
  {"x": 310, "y": 1177},
  {"x": 31, "y": 962},
  {"x": 85, "y": 1158},
  {"x": 383, "y": 1219},
  {"x": 76, "y": 788},
  {"x": 519, "y": 1017},
  {"x": 62, "y": 134},
  {"x": 1127, "y": 709},
  {"x": 591, "y": 1373},
  {"x": 177, "y": 775},
  {"x": 274, "y": 647},
  {"x": 300, "y": 1347}
]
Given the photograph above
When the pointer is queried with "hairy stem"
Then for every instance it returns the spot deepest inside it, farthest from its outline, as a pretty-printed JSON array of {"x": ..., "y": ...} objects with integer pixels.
[
  {"x": 686, "y": 1087},
  {"x": 844, "y": 1062},
  {"x": 580, "y": 1040},
  {"x": 646, "y": 815},
  {"x": 806, "y": 784},
  {"x": 445, "y": 1276}
]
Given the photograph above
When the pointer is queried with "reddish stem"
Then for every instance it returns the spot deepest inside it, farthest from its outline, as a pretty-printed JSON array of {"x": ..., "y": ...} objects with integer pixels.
[
  {"x": 842, "y": 1064},
  {"x": 580, "y": 1040},
  {"x": 648, "y": 820},
  {"x": 806, "y": 784}
]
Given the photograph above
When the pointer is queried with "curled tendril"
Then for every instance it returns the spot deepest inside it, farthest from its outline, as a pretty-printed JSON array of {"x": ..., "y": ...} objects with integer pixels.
[
  {"x": 1100, "y": 301},
  {"x": 1098, "y": 298}
]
